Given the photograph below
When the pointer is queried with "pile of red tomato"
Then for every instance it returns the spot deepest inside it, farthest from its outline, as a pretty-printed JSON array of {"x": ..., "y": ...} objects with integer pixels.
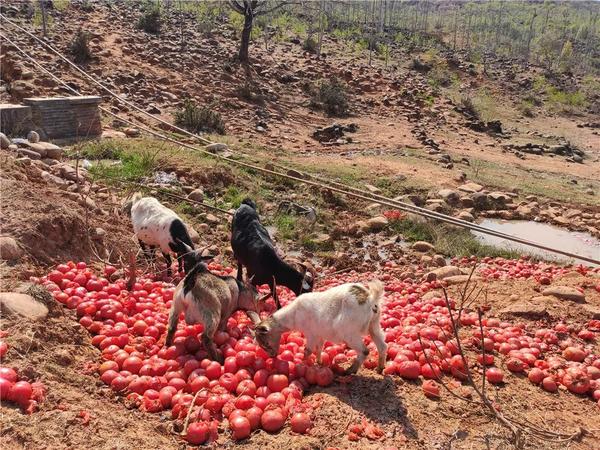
[
  {"x": 250, "y": 390},
  {"x": 23, "y": 393}
]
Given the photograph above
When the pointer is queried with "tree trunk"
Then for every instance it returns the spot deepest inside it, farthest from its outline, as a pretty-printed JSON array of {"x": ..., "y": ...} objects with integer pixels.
[
  {"x": 248, "y": 19},
  {"x": 44, "y": 17}
]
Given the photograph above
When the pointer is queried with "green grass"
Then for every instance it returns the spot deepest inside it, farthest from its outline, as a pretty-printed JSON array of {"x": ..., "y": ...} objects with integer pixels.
[
  {"x": 448, "y": 240},
  {"x": 133, "y": 167},
  {"x": 286, "y": 225},
  {"x": 233, "y": 197}
]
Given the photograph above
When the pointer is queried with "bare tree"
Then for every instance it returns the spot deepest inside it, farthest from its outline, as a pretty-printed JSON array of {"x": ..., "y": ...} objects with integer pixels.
[{"x": 251, "y": 9}]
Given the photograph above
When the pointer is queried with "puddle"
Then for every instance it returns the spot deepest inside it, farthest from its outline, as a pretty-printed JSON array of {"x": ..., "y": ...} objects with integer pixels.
[{"x": 583, "y": 244}]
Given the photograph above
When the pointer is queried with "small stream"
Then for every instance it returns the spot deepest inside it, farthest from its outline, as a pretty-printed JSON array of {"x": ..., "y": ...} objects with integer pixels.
[{"x": 583, "y": 244}]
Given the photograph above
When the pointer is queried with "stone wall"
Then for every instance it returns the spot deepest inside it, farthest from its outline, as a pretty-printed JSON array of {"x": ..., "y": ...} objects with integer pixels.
[
  {"x": 15, "y": 120},
  {"x": 66, "y": 117}
]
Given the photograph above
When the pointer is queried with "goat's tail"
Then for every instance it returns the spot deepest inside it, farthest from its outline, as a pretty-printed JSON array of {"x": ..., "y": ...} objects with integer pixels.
[
  {"x": 375, "y": 296},
  {"x": 375, "y": 291}
]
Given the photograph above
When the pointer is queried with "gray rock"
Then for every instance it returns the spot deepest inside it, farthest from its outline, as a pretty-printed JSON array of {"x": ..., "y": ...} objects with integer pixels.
[
  {"x": 422, "y": 246},
  {"x": 480, "y": 201},
  {"x": 9, "y": 249},
  {"x": 212, "y": 219},
  {"x": 4, "y": 141},
  {"x": 31, "y": 154},
  {"x": 33, "y": 137},
  {"x": 23, "y": 305},
  {"x": 466, "y": 215},
  {"x": 565, "y": 293},
  {"x": 196, "y": 195},
  {"x": 38, "y": 148},
  {"x": 377, "y": 223},
  {"x": 217, "y": 147},
  {"x": 443, "y": 272},
  {"x": 194, "y": 236},
  {"x": 470, "y": 187},
  {"x": 439, "y": 260},
  {"x": 534, "y": 311},
  {"x": 450, "y": 196}
]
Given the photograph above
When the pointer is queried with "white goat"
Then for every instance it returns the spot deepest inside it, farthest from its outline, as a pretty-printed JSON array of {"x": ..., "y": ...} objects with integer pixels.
[
  {"x": 155, "y": 225},
  {"x": 343, "y": 313}
]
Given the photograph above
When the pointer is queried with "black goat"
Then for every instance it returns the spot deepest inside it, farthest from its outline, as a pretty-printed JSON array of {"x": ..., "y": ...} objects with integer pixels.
[{"x": 253, "y": 248}]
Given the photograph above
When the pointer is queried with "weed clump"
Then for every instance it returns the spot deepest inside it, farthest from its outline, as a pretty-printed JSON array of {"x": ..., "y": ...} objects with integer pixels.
[
  {"x": 150, "y": 21},
  {"x": 310, "y": 45},
  {"x": 331, "y": 96},
  {"x": 196, "y": 119},
  {"x": 80, "y": 47}
]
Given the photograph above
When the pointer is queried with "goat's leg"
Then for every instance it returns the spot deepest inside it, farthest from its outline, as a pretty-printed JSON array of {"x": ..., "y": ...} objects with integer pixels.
[
  {"x": 310, "y": 346},
  {"x": 211, "y": 348},
  {"x": 240, "y": 271},
  {"x": 176, "y": 309},
  {"x": 357, "y": 344},
  {"x": 273, "y": 287},
  {"x": 180, "y": 263},
  {"x": 169, "y": 262},
  {"x": 147, "y": 250},
  {"x": 378, "y": 338},
  {"x": 318, "y": 349}
]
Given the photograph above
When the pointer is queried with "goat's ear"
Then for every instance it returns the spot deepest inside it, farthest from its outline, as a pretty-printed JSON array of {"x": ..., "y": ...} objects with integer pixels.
[{"x": 187, "y": 247}]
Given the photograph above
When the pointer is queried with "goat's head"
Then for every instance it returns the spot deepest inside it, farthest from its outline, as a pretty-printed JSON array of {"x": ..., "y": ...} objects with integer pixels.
[
  {"x": 248, "y": 201},
  {"x": 268, "y": 336},
  {"x": 191, "y": 257},
  {"x": 250, "y": 300},
  {"x": 129, "y": 201}
]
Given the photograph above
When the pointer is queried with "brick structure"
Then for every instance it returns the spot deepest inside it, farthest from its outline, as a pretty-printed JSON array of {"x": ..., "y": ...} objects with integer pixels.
[
  {"x": 15, "y": 120},
  {"x": 66, "y": 117}
]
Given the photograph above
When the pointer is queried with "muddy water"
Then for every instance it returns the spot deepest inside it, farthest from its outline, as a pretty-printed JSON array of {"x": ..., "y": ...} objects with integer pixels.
[{"x": 580, "y": 243}]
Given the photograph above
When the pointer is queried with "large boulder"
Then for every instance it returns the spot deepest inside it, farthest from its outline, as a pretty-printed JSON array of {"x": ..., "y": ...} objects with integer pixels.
[
  {"x": 23, "y": 305},
  {"x": 470, "y": 187},
  {"x": 565, "y": 293},
  {"x": 450, "y": 196},
  {"x": 4, "y": 141},
  {"x": 443, "y": 272},
  {"x": 422, "y": 246},
  {"x": 196, "y": 195},
  {"x": 9, "y": 249}
]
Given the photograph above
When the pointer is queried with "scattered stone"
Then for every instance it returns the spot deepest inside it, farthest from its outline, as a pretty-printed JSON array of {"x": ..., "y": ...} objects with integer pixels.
[
  {"x": 565, "y": 293},
  {"x": 212, "y": 219},
  {"x": 4, "y": 141},
  {"x": 372, "y": 189},
  {"x": 9, "y": 249},
  {"x": 534, "y": 311},
  {"x": 31, "y": 154},
  {"x": 194, "y": 236},
  {"x": 33, "y": 137},
  {"x": 450, "y": 196},
  {"x": 322, "y": 240},
  {"x": 593, "y": 311},
  {"x": 131, "y": 132},
  {"x": 470, "y": 187},
  {"x": 426, "y": 260},
  {"x": 112, "y": 134},
  {"x": 23, "y": 305},
  {"x": 439, "y": 260},
  {"x": 217, "y": 147},
  {"x": 197, "y": 195},
  {"x": 422, "y": 246},
  {"x": 442, "y": 273},
  {"x": 377, "y": 223},
  {"x": 466, "y": 215}
]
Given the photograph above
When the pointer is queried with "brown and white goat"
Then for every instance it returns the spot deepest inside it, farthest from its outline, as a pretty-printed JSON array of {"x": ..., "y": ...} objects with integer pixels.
[{"x": 210, "y": 299}]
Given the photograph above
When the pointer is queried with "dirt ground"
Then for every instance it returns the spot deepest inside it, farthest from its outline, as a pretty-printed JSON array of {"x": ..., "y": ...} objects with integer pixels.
[{"x": 57, "y": 351}]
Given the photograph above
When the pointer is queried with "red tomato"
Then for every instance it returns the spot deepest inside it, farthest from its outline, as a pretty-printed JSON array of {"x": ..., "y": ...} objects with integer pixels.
[
  {"x": 197, "y": 433},
  {"x": 133, "y": 364},
  {"x": 549, "y": 384},
  {"x": 494, "y": 375},
  {"x": 3, "y": 349},
  {"x": 20, "y": 392},
  {"x": 8, "y": 374},
  {"x": 300, "y": 422},
  {"x": 431, "y": 389},
  {"x": 272, "y": 420},
  {"x": 324, "y": 376},
  {"x": 409, "y": 369},
  {"x": 240, "y": 428},
  {"x": 536, "y": 375},
  {"x": 277, "y": 382},
  {"x": 5, "y": 387},
  {"x": 254, "y": 415}
]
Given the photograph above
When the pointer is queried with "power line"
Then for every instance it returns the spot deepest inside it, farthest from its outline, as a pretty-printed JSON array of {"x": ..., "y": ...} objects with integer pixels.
[{"x": 332, "y": 186}]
